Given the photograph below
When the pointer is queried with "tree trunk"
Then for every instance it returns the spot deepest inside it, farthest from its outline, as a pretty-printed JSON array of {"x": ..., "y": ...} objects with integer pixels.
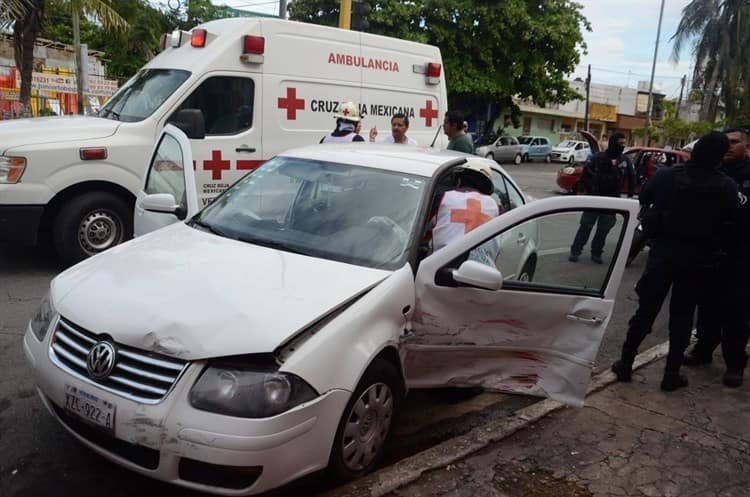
[{"x": 24, "y": 37}]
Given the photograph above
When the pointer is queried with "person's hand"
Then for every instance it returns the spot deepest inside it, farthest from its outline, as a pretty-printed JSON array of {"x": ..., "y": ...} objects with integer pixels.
[{"x": 373, "y": 133}]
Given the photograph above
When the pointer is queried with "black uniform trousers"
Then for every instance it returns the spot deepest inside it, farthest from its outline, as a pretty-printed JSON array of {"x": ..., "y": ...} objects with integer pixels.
[
  {"x": 724, "y": 316},
  {"x": 688, "y": 278}
]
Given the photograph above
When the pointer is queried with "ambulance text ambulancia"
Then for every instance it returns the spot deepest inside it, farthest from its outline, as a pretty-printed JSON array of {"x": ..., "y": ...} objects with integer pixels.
[{"x": 264, "y": 85}]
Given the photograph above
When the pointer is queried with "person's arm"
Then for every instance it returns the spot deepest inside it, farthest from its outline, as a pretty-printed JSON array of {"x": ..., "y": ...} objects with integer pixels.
[
  {"x": 630, "y": 175},
  {"x": 587, "y": 178}
]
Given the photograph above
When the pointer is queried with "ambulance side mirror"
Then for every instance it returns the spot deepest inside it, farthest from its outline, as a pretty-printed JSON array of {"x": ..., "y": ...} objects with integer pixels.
[{"x": 190, "y": 122}]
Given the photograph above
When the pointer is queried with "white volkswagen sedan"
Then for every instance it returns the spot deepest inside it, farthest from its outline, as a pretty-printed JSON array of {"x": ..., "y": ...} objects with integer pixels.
[{"x": 275, "y": 332}]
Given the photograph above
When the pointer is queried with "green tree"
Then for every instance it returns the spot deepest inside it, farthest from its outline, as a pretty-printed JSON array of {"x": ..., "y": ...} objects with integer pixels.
[
  {"x": 26, "y": 17},
  {"x": 492, "y": 51},
  {"x": 720, "y": 36}
]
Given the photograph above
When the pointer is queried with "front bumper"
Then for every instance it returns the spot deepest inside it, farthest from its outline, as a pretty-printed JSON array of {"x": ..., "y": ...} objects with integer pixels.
[
  {"x": 20, "y": 223},
  {"x": 173, "y": 442}
]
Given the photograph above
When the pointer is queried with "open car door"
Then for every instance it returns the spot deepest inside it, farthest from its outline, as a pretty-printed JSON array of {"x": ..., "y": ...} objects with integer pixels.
[
  {"x": 168, "y": 193},
  {"x": 472, "y": 327}
]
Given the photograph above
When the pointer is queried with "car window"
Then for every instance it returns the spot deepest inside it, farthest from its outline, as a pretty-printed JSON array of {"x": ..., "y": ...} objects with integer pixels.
[
  {"x": 226, "y": 103},
  {"x": 535, "y": 142},
  {"x": 545, "y": 141},
  {"x": 514, "y": 196},
  {"x": 166, "y": 173},
  {"x": 579, "y": 146},
  {"x": 544, "y": 244},
  {"x": 524, "y": 140},
  {"x": 500, "y": 193}
]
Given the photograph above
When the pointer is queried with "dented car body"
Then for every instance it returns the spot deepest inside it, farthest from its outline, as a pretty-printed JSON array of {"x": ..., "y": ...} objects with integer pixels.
[{"x": 274, "y": 333}]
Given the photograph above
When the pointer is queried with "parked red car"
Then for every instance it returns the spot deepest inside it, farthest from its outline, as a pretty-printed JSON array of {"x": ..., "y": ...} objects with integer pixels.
[{"x": 646, "y": 161}]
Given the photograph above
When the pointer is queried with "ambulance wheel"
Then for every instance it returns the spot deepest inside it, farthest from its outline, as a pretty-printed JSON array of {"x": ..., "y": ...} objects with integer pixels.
[
  {"x": 517, "y": 159},
  {"x": 89, "y": 224},
  {"x": 366, "y": 422}
]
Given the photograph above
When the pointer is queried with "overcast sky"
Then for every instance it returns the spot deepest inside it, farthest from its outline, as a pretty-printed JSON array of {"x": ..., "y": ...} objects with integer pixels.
[{"x": 620, "y": 45}]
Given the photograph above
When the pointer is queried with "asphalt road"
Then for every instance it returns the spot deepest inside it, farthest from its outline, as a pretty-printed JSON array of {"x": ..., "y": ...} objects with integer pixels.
[{"x": 38, "y": 458}]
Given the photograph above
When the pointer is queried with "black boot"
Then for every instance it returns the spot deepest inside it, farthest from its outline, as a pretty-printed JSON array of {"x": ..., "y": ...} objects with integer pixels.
[
  {"x": 697, "y": 357},
  {"x": 623, "y": 370},
  {"x": 672, "y": 381},
  {"x": 733, "y": 377}
]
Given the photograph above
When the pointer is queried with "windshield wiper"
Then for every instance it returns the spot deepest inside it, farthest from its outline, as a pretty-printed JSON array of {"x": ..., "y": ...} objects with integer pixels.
[
  {"x": 270, "y": 244},
  {"x": 209, "y": 227}
]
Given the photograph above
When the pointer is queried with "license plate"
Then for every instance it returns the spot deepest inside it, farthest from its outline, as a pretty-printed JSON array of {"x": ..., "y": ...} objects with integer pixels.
[{"x": 90, "y": 408}]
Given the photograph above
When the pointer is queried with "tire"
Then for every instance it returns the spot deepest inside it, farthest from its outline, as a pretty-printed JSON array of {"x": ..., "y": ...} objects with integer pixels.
[
  {"x": 490, "y": 156},
  {"x": 355, "y": 453},
  {"x": 525, "y": 158},
  {"x": 517, "y": 159},
  {"x": 528, "y": 269},
  {"x": 89, "y": 224},
  {"x": 548, "y": 158}
]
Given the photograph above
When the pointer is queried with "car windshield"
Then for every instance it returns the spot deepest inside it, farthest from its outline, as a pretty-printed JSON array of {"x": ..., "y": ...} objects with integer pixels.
[
  {"x": 334, "y": 211},
  {"x": 143, "y": 94},
  {"x": 567, "y": 144},
  {"x": 524, "y": 140}
]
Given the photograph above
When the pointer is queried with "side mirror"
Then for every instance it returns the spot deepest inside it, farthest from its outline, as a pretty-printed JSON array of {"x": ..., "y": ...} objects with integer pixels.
[
  {"x": 191, "y": 122},
  {"x": 160, "y": 202},
  {"x": 475, "y": 273}
]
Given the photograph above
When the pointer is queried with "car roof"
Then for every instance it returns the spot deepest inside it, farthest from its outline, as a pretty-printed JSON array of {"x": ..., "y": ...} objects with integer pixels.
[{"x": 389, "y": 157}]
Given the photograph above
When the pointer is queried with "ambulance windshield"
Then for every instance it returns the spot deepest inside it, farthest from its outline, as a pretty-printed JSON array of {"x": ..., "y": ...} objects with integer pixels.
[
  {"x": 334, "y": 211},
  {"x": 143, "y": 94}
]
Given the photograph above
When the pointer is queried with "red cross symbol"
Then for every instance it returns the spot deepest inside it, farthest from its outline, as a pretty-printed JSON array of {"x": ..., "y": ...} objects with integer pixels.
[
  {"x": 291, "y": 103},
  {"x": 345, "y": 111},
  {"x": 216, "y": 165},
  {"x": 428, "y": 113},
  {"x": 471, "y": 217}
]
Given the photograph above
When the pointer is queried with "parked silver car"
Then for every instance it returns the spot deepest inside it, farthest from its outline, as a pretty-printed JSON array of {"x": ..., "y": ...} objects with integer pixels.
[{"x": 505, "y": 149}]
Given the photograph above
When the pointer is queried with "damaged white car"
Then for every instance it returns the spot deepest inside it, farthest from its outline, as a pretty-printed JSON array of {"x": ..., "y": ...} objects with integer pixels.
[{"x": 275, "y": 332}]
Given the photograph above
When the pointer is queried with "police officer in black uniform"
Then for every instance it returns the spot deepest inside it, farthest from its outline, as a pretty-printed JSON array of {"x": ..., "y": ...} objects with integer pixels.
[
  {"x": 689, "y": 212},
  {"x": 724, "y": 317}
]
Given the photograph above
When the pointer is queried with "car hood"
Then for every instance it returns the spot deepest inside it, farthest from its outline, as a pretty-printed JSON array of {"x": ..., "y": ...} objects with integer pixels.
[
  {"x": 193, "y": 295},
  {"x": 19, "y": 132}
]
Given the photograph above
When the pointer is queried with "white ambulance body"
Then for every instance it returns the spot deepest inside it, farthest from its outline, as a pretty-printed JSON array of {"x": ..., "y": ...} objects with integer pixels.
[{"x": 263, "y": 85}]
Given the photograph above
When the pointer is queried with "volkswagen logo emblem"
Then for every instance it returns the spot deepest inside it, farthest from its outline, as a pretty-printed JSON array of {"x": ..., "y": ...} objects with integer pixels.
[{"x": 101, "y": 360}]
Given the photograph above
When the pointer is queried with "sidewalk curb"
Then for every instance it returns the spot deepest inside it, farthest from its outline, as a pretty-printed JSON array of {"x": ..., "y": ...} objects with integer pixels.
[{"x": 408, "y": 470}]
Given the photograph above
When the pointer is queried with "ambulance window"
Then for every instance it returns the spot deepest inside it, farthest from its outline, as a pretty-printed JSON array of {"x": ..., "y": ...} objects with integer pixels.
[{"x": 226, "y": 102}]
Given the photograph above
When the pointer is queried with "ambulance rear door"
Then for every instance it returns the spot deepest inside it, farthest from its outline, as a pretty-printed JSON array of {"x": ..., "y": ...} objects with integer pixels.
[
  {"x": 400, "y": 76},
  {"x": 308, "y": 72}
]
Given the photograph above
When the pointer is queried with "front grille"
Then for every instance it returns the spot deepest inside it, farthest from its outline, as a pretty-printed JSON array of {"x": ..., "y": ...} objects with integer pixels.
[
  {"x": 142, "y": 456},
  {"x": 138, "y": 375}
]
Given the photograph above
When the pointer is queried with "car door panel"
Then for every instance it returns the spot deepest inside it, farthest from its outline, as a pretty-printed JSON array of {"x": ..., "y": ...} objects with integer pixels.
[{"x": 537, "y": 338}]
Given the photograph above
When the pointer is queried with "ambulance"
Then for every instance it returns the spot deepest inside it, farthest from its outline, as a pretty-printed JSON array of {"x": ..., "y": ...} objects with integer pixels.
[{"x": 263, "y": 86}]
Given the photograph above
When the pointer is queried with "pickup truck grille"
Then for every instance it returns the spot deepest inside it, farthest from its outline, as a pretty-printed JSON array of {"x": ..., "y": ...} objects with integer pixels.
[{"x": 138, "y": 375}]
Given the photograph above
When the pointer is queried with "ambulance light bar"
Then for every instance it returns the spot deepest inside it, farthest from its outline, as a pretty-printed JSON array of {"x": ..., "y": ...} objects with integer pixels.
[
  {"x": 433, "y": 73},
  {"x": 177, "y": 38},
  {"x": 253, "y": 48},
  {"x": 198, "y": 38}
]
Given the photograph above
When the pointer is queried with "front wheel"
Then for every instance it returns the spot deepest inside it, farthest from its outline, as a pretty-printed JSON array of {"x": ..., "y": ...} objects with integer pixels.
[
  {"x": 548, "y": 158},
  {"x": 517, "y": 159},
  {"x": 366, "y": 422},
  {"x": 91, "y": 223},
  {"x": 525, "y": 158},
  {"x": 490, "y": 156}
]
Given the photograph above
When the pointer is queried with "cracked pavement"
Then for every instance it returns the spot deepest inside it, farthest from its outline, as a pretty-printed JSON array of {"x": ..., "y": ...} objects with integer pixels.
[{"x": 628, "y": 440}]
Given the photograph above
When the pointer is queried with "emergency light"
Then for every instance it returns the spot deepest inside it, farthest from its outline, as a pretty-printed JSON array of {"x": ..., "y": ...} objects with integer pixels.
[
  {"x": 176, "y": 38},
  {"x": 198, "y": 38},
  {"x": 253, "y": 48},
  {"x": 433, "y": 73}
]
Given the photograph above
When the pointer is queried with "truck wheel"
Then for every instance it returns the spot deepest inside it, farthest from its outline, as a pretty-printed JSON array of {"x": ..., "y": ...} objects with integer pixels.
[
  {"x": 366, "y": 422},
  {"x": 89, "y": 224}
]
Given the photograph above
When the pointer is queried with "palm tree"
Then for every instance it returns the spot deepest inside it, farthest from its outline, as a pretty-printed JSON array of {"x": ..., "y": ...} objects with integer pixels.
[
  {"x": 25, "y": 16},
  {"x": 101, "y": 10},
  {"x": 719, "y": 31}
]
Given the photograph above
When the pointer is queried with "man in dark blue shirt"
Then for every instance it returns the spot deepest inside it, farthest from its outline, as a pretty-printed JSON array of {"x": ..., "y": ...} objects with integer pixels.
[{"x": 689, "y": 212}]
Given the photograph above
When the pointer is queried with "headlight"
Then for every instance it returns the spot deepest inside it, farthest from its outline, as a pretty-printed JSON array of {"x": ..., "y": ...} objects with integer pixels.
[
  {"x": 248, "y": 392},
  {"x": 42, "y": 319},
  {"x": 11, "y": 169}
]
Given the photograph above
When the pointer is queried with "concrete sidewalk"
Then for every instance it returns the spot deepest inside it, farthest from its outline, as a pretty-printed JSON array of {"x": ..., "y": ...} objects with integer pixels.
[{"x": 629, "y": 439}]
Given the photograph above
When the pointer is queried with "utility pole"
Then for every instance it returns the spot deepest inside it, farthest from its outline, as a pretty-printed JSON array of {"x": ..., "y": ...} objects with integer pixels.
[
  {"x": 679, "y": 100},
  {"x": 345, "y": 14},
  {"x": 282, "y": 9},
  {"x": 588, "y": 90},
  {"x": 651, "y": 84}
]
